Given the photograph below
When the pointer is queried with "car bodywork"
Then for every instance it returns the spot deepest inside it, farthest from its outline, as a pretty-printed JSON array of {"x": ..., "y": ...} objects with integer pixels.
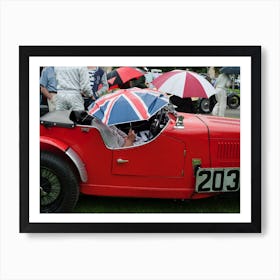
[{"x": 163, "y": 167}]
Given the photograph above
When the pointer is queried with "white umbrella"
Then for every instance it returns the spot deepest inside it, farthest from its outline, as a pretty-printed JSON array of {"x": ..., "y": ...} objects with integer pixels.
[{"x": 184, "y": 84}]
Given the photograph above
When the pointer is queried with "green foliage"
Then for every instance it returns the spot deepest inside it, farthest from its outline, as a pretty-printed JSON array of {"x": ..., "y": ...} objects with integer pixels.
[
  {"x": 166, "y": 69},
  {"x": 194, "y": 69}
]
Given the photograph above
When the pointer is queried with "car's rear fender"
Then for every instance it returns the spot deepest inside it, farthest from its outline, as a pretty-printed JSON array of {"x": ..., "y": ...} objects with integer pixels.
[{"x": 58, "y": 146}]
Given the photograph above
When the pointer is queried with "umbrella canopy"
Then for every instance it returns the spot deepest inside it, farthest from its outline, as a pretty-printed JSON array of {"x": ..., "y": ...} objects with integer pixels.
[
  {"x": 230, "y": 70},
  {"x": 184, "y": 84},
  {"x": 127, "y": 105},
  {"x": 122, "y": 75}
]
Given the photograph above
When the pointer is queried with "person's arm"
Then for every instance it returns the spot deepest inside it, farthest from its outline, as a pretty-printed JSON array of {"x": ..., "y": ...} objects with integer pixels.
[
  {"x": 123, "y": 139},
  {"x": 44, "y": 83},
  {"x": 46, "y": 93},
  {"x": 85, "y": 83},
  {"x": 105, "y": 85},
  {"x": 229, "y": 82}
]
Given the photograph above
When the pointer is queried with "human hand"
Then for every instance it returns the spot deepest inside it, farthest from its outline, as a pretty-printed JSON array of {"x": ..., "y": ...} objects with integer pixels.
[
  {"x": 131, "y": 135},
  {"x": 129, "y": 140}
]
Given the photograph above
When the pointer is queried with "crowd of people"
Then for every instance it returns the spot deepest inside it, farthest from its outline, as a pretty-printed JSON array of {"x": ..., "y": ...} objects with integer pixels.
[
  {"x": 72, "y": 87},
  {"x": 77, "y": 88}
]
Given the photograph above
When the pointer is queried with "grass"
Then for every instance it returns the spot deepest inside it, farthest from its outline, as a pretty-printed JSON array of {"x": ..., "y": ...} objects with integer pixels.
[
  {"x": 229, "y": 203},
  {"x": 235, "y": 90}
]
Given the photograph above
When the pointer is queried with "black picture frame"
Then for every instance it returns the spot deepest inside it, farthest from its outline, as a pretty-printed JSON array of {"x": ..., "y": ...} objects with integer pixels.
[{"x": 254, "y": 52}]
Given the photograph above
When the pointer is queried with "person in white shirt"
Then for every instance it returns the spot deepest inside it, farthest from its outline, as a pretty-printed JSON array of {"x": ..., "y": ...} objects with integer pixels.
[
  {"x": 222, "y": 83},
  {"x": 72, "y": 83}
]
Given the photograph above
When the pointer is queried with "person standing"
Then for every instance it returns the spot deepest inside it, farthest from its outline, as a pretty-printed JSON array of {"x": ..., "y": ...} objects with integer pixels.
[
  {"x": 211, "y": 75},
  {"x": 98, "y": 83},
  {"x": 148, "y": 78},
  {"x": 72, "y": 83},
  {"x": 48, "y": 86},
  {"x": 222, "y": 83}
]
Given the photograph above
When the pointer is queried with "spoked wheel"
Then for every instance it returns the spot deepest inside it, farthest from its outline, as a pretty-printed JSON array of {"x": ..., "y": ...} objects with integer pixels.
[{"x": 59, "y": 189}]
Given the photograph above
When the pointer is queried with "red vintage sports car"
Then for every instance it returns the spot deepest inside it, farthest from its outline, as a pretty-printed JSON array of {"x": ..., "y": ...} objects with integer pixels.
[{"x": 185, "y": 156}]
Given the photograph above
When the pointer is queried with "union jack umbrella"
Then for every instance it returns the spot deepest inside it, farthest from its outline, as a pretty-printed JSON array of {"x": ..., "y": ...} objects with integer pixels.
[
  {"x": 184, "y": 84},
  {"x": 127, "y": 105}
]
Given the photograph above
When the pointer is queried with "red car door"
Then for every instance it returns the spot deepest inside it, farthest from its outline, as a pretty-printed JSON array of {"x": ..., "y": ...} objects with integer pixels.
[{"x": 163, "y": 157}]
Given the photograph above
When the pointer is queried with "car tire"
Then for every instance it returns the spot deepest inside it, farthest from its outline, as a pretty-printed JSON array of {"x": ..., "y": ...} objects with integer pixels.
[
  {"x": 59, "y": 190},
  {"x": 233, "y": 101},
  {"x": 204, "y": 106}
]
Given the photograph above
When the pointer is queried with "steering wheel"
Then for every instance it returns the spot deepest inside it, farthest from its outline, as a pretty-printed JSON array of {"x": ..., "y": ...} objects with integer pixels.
[{"x": 155, "y": 126}]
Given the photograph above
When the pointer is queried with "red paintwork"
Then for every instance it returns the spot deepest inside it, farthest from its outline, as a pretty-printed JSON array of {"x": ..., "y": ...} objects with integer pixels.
[
  {"x": 46, "y": 141},
  {"x": 162, "y": 168}
]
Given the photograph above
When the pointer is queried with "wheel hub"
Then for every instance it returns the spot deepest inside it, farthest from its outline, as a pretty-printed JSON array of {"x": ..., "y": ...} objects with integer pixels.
[
  {"x": 45, "y": 186},
  {"x": 50, "y": 187}
]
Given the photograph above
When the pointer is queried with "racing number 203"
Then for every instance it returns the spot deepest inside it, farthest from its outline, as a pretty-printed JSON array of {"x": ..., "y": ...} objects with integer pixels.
[{"x": 217, "y": 180}]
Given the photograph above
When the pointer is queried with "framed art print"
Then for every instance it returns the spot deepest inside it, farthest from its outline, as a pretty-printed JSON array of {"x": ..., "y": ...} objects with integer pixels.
[{"x": 153, "y": 139}]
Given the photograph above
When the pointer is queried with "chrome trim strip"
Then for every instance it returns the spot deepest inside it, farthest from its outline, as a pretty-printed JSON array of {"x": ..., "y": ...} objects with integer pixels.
[{"x": 78, "y": 163}]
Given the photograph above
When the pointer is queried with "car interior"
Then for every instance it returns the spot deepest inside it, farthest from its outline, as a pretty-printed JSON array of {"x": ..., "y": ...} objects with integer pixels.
[{"x": 150, "y": 128}]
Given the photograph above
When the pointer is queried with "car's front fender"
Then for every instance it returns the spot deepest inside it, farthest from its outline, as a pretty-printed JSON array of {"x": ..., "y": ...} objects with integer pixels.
[
  {"x": 48, "y": 141},
  {"x": 51, "y": 144}
]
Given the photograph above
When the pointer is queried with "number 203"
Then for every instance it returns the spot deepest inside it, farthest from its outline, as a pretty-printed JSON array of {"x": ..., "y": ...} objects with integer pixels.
[{"x": 229, "y": 180}]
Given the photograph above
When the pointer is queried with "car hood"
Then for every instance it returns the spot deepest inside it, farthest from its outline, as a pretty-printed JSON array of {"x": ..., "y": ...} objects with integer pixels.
[
  {"x": 224, "y": 140},
  {"x": 214, "y": 140},
  {"x": 220, "y": 127}
]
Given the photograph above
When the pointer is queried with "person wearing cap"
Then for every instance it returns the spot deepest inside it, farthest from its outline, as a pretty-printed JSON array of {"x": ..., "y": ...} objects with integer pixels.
[{"x": 48, "y": 86}]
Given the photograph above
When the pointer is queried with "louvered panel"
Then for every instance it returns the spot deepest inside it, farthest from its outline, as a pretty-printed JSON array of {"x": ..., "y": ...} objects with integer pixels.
[{"x": 228, "y": 150}]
